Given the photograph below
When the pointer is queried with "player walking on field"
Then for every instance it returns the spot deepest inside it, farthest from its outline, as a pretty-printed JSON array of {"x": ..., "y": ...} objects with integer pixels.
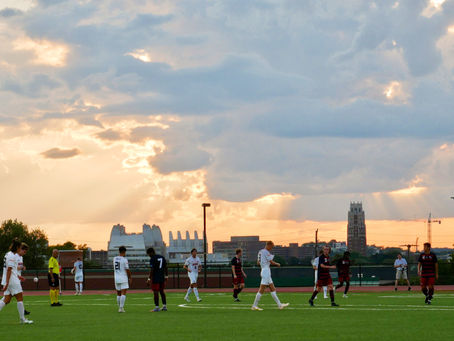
[
  {"x": 428, "y": 271},
  {"x": 315, "y": 267},
  {"x": 343, "y": 269},
  {"x": 401, "y": 266},
  {"x": 238, "y": 274},
  {"x": 193, "y": 265},
  {"x": 21, "y": 268},
  {"x": 158, "y": 278},
  {"x": 123, "y": 278},
  {"x": 265, "y": 259},
  {"x": 53, "y": 277},
  {"x": 78, "y": 271},
  {"x": 324, "y": 278},
  {"x": 11, "y": 285}
]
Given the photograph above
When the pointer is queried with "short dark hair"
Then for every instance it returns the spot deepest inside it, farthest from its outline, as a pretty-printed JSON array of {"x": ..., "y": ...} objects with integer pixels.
[
  {"x": 24, "y": 246},
  {"x": 237, "y": 251},
  {"x": 347, "y": 254},
  {"x": 194, "y": 249},
  {"x": 150, "y": 251},
  {"x": 427, "y": 244},
  {"x": 15, "y": 245},
  {"x": 122, "y": 249},
  {"x": 399, "y": 254}
]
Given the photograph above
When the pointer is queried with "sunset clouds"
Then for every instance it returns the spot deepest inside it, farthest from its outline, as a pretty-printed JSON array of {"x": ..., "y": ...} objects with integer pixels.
[{"x": 279, "y": 113}]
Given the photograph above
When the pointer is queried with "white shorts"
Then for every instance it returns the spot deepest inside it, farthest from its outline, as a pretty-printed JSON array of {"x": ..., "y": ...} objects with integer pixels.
[
  {"x": 401, "y": 274},
  {"x": 193, "y": 276},
  {"x": 266, "y": 277},
  {"x": 79, "y": 279},
  {"x": 121, "y": 286},
  {"x": 13, "y": 289}
]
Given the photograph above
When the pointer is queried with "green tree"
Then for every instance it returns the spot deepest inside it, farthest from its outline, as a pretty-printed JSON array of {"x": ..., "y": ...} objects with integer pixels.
[
  {"x": 280, "y": 260},
  {"x": 36, "y": 240}
]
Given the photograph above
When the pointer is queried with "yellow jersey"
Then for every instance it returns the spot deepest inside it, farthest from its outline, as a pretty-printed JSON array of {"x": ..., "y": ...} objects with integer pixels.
[{"x": 53, "y": 264}]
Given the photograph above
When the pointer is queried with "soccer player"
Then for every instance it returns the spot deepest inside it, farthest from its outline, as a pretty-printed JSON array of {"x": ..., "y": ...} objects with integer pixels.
[
  {"x": 324, "y": 278},
  {"x": 428, "y": 271},
  {"x": 21, "y": 268},
  {"x": 238, "y": 274},
  {"x": 122, "y": 276},
  {"x": 315, "y": 267},
  {"x": 158, "y": 277},
  {"x": 11, "y": 280},
  {"x": 401, "y": 266},
  {"x": 193, "y": 266},
  {"x": 265, "y": 259},
  {"x": 343, "y": 269},
  {"x": 53, "y": 277},
  {"x": 78, "y": 272}
]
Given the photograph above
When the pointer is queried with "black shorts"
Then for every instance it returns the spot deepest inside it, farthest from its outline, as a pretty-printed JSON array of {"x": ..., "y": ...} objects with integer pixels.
[{"x": 55, "y": 283}]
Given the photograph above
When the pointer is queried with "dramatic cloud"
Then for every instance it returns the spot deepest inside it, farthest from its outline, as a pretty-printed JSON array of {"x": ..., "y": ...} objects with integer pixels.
[{"x": 57, "y": 153}]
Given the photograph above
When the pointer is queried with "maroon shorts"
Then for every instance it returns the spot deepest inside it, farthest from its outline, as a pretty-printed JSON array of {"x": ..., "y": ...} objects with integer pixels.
[
  {"x": 238, "y": 280},
  {"x": 158, "y": 286},
  {"x": 427, "y": 281},
  {"x": 343, "y": 278},
  {"x": 324, "y": 282}
]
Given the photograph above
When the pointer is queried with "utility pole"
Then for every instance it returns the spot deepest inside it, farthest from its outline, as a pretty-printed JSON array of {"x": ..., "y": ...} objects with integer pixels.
[
  {"x": 316, "y": 244},
  {"x": 205, "y": 205},
  {"x": 429, "y": 227}
]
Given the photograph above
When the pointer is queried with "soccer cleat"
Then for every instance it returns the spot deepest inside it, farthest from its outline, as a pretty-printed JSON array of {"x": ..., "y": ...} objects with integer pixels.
[
  {"x": 164, "y": 308},
  {"x": 395, "y": 289},
  {"x": 311, "y": 303},
  {"x": 121, "y": 310},
  {"x": 25, "y": 321},
  {"x": 58, "y": 304},
  {"x": 155, "y": 310},
  {"x": 199, "y": 300},
  {"x": 426, "y": 300},
  {"x": 283, "y": 305},
  {"x": 236, "y": 300},
  {"x": 186, "y": 298},
  {"x": 256, "y": 308},
  {"x": 325, "y": 296},
  {"x": 334, "y": 304},
  {"x": 429, "y": 301},
  {"x": 345, "y": 296},
  {"x": 76, "y": 294},
  {"x": 26, "y": 312}
]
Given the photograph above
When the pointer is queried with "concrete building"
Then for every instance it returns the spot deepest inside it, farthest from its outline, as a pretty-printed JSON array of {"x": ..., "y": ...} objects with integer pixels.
[
  {"x": 179, "y": 249},
  {"x": 250, "y": 245},
  {"x": 99, "y": 257},
  {"x": 136, "y": 244},
  {"x": 356, "y": 229}
]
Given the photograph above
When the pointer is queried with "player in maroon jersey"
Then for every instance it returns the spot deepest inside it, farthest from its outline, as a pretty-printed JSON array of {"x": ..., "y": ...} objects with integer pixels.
[
  {"x": 428, "y": 271},
  {"x": 324, "y": 278},
  {"x": 238, "y": 274},
  {"x": 343, "y": 268}
]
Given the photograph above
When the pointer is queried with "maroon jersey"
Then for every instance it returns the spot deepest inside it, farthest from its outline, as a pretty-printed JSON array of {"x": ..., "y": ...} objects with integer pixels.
[
  {"x": 236, "y": 262},
  {"x": 343, "y": 267},
  {"x": 323, "y": 273},
  {"x": 428, "y": 262}
]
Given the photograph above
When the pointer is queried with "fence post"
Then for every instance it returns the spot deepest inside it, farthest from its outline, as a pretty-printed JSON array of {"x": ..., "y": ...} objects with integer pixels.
[
  {"x": 178, "y": 275},
  {"x": 220, "y": 277},
  {"x": 360, "y": 275}
]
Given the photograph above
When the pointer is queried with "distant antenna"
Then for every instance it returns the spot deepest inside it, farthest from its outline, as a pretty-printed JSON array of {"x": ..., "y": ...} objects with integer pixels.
[{"x": 429, "y": 227}]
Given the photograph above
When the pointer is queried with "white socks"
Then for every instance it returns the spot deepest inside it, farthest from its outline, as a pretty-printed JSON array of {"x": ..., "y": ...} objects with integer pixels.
[
  {"x": 257, "y": 299},
  {"x": 2, "y": 304},
  {"x": 80, "y": 288},
  {"x": 122, "y": 301},
  {"x": 325, "y": 291},
  {"x": 275, "y": 298},
  {"x": 118, "y": 300},
  {"x": 20, "y": 309},
  {"x": 189, "y": 291},
  {"x": 77, "y": 288},
  {"x": 196, "y": 292}
]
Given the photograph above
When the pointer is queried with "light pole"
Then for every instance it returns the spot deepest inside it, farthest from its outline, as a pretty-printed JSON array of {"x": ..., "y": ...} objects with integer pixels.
[{"x": 205, "y": 205}]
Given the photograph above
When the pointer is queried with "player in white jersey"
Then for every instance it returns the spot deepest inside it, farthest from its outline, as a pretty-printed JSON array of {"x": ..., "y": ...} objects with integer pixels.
[
  {"x": 265, "y": 259},
  {"x": 193, "y": 266},
  {"x": 315, "y": 267},
  {"x": 21, "y": 267},
  {"x": 122, "y": 276},
  {"x": 78, "y": 272},
  {"x": 11, "y": 280}
]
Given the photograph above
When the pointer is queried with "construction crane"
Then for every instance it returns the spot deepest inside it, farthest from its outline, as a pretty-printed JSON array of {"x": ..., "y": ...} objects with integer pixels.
[
  {"x": 429, "y": 227},
  {"x": 409, "y": 246}
]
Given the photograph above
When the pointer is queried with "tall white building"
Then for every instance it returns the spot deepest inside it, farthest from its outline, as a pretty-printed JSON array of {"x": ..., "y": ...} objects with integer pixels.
[
  {"x": 356, "y": 229},
  {"x": 136, "y": 244}
]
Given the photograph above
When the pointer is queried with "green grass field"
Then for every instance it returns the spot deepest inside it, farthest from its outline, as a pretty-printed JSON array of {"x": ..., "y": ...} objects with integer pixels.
[{"x": 363, "y": 316}]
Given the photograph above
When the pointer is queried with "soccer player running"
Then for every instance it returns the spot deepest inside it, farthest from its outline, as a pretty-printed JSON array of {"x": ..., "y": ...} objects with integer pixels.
[
  {"x": 428, "y": 271},
  {"x": 53, "y": 277},
  {"x": 21, "y": 268},
  {"x": 238, "y": 274},
  {"x": 11, "y": 285},
  {"x": 78, "y": 271},
  {"x": 193, "y": 266},
  {"x": 122, "y": 276},
  {"x": 401, "y": 266},
  {"x": 324, "y": 278},
  {"x": 265, "y": 259},
  {"x": 158, "y": 277},
  {"x": 343, "y": 269}
]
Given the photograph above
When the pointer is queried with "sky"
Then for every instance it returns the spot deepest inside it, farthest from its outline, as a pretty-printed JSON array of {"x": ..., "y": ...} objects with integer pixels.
[{"x": 278, "y": 113}]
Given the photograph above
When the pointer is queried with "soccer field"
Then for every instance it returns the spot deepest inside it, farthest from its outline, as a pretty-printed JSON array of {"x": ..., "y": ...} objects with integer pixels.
[{"x": 362, "y": 316}]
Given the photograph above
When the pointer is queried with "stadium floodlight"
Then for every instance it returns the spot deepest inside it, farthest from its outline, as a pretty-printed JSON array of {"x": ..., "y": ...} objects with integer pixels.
[{"x": 205, "y": 205}]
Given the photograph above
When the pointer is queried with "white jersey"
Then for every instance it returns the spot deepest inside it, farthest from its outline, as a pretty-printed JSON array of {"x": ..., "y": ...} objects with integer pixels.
[
  {"x": 315, "y": 263},
  {"x": 120, "y": 264},
  {"x": 401, "y": 263},
  {"x": 79, "y": 265},
  {"x": 193, "y": 264},
  {"x": 20, "y": 265},
  {"x": 264, "y": 258},
  {"x": 11, "y": 260}
]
